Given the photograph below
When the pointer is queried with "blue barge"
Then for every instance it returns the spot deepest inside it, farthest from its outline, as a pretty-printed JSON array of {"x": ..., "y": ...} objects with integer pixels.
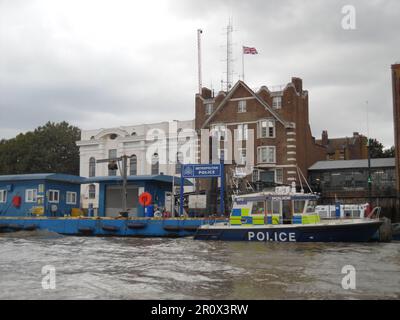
[{"x": 136, "y": 227}]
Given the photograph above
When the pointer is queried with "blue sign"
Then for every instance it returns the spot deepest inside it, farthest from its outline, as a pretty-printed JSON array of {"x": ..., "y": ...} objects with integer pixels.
[{"x": 201, "y": 170}]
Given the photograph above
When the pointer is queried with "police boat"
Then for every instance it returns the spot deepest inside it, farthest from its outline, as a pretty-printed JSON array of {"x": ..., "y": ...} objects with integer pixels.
[{"x": 284, "y": 215}]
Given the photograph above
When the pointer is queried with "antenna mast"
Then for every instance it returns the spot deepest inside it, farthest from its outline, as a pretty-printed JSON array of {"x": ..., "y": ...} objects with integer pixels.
[
  {"x": 229, "y": 71},
  {"x": 199, "y": 32}
]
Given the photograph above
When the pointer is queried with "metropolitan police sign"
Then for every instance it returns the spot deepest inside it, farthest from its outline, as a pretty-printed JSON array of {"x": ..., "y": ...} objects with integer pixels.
[{"x": 201, "y": 170}]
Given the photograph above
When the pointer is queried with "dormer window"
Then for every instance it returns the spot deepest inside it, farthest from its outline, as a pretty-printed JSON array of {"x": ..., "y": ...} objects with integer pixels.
[
  {"x": 277, "y": 102},
  {"x": 242, "y": 106},
  {"x": 113, "y": 136},
  {"x": 209, "y": 108}
]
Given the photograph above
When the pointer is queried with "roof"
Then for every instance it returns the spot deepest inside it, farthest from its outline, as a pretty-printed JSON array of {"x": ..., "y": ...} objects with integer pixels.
[
  {"x": 350, "y": 164},
  {"x": 157, "y": 178},
  {"x": 43, "y": 176},
  {"x": 255, "y": 95}
]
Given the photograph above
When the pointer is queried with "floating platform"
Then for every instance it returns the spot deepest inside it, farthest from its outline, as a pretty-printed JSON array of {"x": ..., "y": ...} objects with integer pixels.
[{"x": 103, "y": 227}]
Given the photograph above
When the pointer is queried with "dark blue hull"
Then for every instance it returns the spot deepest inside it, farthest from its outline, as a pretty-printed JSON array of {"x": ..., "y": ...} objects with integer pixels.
[{"x": 358, "y": 232}]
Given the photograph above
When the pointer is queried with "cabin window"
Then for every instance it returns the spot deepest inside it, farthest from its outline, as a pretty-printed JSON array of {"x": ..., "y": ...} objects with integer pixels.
[
  {"x": 71, "y": 197},
  {"x": 274, "y": 207},
  {"x": 54, "y": 196},
  {"x": 298, "y": 206},
  {"x": 310, "y": 208},
  {"x": 258, "y": 208},
  {"x": 30, "y": 195},
  {"x": 3, "y": 196}
]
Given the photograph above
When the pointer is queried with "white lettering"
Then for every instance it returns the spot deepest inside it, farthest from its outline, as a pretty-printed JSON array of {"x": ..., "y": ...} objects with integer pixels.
[
  {"x": 251, "y": 235},
  {"x": 283, "y": 237},
  {"x": 260, "y": 236},
  {"x": 49, "y": 279},
  {"x": 349, "y": 280},
  {"x": 349, "y": 20}
]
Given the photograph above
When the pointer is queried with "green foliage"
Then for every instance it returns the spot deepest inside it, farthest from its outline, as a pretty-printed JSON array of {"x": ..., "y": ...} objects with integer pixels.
[
  {"x": 377, "y": 150},
  {"x": 48, "y": 149}
]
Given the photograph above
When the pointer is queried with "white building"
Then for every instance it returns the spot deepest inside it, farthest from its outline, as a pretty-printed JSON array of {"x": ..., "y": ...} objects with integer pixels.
[{"x": 155, "y": 149}]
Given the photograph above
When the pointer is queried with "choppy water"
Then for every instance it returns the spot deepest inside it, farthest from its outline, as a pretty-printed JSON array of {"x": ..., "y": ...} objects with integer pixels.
[{"x": 120, "y": 268}]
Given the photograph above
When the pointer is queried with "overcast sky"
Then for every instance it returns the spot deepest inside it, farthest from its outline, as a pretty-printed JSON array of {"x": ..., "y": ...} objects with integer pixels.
[{"x": 103, "y": 63}]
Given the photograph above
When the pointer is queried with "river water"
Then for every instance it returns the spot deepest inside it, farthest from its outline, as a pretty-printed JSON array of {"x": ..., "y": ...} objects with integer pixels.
[{"x": 155, "y": 268}]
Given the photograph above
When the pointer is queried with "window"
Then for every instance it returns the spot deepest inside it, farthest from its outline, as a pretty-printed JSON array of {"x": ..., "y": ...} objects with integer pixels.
[
  {"x": 92, "y": 191},
  {"x": 71, "y": 197},
  {"x": 92, "y": 167},
  {"x": 278, "y": 175},
  {"x": 54, "y": 196},
  {"x": 266, "y": 154},
  {"x": 256, "y": 175},
  {"x": 242, "y": 155},
  {"x": 112, "y": 154},
  {"x": 179, "y": 160},
  {"x": 258, "y": 208},
  {"x": 242, "y": 106},
  {"x": 113, "y": 136},
  {"x": 3, "y": 196},
  {"x": 155, "y": 164},
  {"x": 242, "y": 132},
  {"x": 209, "y": 108},
  {"x": 133, "y": 165},
  {"x": 30, "y": 195},
  {"x": 277, "y": 102},
  {"x": 267, "y": 129}
]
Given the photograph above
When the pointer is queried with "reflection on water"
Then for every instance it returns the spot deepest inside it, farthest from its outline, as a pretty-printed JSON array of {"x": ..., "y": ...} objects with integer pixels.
[{"x": 120, "y": 268}]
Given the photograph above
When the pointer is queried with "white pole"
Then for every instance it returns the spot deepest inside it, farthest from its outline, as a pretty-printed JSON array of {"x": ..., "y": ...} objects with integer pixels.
[
  {"x": 243, "y": 63},
  {"x": 199, "y": 32}
]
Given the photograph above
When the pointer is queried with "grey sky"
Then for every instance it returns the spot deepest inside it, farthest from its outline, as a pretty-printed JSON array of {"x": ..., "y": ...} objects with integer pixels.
[{"x": 107, "y": 63}]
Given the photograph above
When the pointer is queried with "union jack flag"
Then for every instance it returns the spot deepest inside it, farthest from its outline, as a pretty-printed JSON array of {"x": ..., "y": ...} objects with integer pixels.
[{"x": 249, "y": 50}]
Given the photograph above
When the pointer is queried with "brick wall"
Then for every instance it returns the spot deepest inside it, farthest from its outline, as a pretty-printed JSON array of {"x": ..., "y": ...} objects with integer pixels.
[{"x": 293, "y": 140}]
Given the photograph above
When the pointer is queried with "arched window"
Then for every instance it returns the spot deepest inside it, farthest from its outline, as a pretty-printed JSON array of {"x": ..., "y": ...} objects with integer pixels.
[
  {"x": 155, "y": 165},
  {"x": 133, "y": 166},
  {"x": 179, "y": 160},
  {"x": 92, "y": 167},
  {"x": 92, "y": 191}
]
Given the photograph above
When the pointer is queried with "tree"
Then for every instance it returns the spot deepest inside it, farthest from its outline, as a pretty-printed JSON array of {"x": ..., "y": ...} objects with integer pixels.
[
  {"x": 377, "y": 150},
  {"x": 48, "y": 149}
]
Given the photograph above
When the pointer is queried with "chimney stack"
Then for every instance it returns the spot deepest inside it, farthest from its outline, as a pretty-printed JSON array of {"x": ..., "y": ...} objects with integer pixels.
[{"x": 325, "y": 138}]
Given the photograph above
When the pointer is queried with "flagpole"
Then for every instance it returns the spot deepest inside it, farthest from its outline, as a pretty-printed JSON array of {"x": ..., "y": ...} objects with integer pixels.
[{"x": 243, "y": 63}]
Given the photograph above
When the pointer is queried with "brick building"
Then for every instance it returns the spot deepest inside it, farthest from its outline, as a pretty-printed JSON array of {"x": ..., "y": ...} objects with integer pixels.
[
  {"x": 396, "y": 117},
  {"x": 280, "y": 121},
  {"x": 347, "y": 148}
]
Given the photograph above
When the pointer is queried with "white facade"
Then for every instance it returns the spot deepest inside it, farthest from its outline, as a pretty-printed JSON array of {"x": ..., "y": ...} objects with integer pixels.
[{"x": 142, "y": 141}]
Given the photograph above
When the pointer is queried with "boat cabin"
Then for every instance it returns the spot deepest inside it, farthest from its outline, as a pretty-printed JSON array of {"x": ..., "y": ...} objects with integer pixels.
[{"x": 283, "y": 206}]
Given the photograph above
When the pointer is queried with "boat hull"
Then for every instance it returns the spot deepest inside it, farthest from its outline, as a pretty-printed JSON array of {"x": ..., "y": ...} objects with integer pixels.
[
  {"x": 347, "y": 232},
  {"x": 137, "y": 227}
]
